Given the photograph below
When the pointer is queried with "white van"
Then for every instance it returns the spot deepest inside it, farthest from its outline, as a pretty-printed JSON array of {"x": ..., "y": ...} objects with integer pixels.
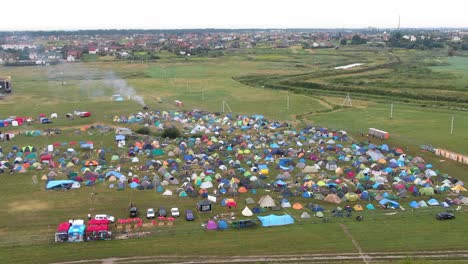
[{"x": 104, "y": 216}]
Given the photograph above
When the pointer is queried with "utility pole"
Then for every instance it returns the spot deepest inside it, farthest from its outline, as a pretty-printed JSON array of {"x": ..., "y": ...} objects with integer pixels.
[
  {"x": 391, "y": 111},
  {"x": 451, "y": 127}
]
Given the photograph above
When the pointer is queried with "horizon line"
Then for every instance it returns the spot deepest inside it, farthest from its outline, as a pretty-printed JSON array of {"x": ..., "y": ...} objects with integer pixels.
[{"x": 231, "y": 29}]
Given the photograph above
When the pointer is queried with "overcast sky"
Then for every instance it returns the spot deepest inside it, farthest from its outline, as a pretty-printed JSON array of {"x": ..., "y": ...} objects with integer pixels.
[{"x": 173, "y": 14}]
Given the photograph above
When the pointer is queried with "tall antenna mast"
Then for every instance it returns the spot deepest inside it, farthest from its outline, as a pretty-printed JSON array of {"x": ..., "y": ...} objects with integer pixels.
[{"x": 399, "y": 20}]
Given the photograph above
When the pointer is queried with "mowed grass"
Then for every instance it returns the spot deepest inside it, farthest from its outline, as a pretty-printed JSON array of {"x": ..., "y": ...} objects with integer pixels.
[
  {"x": 410, "y": 125},
  {"x": 31, "y": 213}
]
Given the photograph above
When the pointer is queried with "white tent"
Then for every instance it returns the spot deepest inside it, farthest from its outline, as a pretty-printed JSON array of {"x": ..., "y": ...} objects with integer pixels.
[
  {"x": 309, "y": 169},
  {"x": 266, "y": 201},
  {"x": 206, "y": 185},
  {"x": 305, "y": 215},
  {"x": 247, "y": 212},
  {"x": 76, "y": 185},
  {"x": 167, "y": 193},
  {"x": 285, "y": 204}
]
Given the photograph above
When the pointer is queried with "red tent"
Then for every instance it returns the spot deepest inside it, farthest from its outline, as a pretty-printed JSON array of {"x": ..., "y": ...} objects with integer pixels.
[
  {"x": 98, "y": 222},
  {"x": 63, "y": 227}
]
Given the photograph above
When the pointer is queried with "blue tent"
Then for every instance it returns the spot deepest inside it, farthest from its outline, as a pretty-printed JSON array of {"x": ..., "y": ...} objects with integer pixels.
[
  {"x": 370, "y": 207},
  {"x": 432, "y": 202},
  {"x": 280, "y": 182},
  {"x": 414, "y": 204},
  {"x": 222, "y": 224},
  {"x": 160, "y": 189},
  {"x": 134, "y": 185},
  {"x": 306, "y": 195},
  {"x": 316, "y": 208},
  {"x": 276, "y": 220},
  {"x": 364, "y": 195},
  {"x": 59, "y": 184}
]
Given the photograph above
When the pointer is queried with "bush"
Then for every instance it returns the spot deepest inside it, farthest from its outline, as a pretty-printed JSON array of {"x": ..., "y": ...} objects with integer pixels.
[
  {"x": 171, "y": 132},
  {"x": 143, "y": 131}
]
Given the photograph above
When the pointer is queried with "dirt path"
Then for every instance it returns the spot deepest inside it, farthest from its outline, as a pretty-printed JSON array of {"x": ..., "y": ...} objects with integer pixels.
[
  {"x": 309, "y": 258},
  {"x": 355, "y": 243}
]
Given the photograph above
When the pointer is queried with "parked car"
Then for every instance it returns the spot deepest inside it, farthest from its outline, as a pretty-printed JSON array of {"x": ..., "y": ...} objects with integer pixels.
[
  {"x": 45, "y": 120},
  {"x": 133, "y": 211},
  {"x": 105, "y": 216},
  {"x": 189, "y": 215},
  {"x": 175, "y": 212},
  {"x": 162, "y": 211},
  {"x": 150, "y": 213},
  {"x": 445, "y": 216}
]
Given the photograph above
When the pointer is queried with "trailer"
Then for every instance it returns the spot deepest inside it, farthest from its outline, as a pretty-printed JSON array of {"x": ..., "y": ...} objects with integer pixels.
[{"x": 378, "y": 133}]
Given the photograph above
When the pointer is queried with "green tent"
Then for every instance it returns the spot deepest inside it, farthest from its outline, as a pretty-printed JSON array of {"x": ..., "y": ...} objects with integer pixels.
[
  {"x": 352, "y": 197},
  {"x": 158, "y": 152},
  {"x": 426, "y": 191}
]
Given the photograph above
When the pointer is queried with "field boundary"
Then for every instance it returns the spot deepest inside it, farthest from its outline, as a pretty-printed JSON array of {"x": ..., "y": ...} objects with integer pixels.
[{"x": 309, "y": 258}]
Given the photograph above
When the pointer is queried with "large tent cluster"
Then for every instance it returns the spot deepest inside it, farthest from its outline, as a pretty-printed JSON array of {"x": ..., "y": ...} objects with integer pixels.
[{"x": 227, "y": 155}]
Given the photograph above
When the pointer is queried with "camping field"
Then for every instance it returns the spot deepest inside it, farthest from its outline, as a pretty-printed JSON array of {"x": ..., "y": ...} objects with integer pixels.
[{"x": 292, "y": 85}]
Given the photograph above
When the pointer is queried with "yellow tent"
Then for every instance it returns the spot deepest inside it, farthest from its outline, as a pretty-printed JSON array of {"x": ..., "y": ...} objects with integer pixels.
[
  {"x": 459, "y": 188},
  {"x": 358, "y": 207},
  {"x": 44, "y": 177}
]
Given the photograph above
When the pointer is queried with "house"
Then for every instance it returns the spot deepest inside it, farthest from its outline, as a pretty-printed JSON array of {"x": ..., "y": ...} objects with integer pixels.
[
  {"x": 75, "y": 54},
  {"x": 92, "y": 50}
]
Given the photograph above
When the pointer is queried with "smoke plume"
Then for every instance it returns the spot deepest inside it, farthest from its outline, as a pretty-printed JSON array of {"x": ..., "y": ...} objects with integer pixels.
[{"x": 120, "y": 86}]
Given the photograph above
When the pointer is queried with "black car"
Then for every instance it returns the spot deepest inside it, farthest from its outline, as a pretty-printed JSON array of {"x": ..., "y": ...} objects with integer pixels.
[
  {"x": 445, "y": 216},
  {"x": 133, "y": 212},
  {"x": 189, "y": 215},
  {"x": 162, "y": 211}
]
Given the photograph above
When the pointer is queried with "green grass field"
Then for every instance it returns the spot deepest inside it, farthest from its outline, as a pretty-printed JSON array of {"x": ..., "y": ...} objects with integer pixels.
[{"x": 30, "y": 214}]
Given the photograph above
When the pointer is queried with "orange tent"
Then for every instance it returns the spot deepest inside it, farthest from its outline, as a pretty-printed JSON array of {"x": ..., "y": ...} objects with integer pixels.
[
  {"x": 91, "y": 163},
  {"x": 242, "y": 190},
  {"x": 297, "y": 206}
]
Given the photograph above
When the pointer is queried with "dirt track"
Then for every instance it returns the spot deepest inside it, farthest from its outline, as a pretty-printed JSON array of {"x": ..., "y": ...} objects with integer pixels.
[{"x": 376, "y": 257}]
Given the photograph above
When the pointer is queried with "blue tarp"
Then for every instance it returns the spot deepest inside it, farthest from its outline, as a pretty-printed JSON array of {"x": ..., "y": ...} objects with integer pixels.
[
  {"x": 59, "y": 184},
  {"x": 276, "y": 220},
  {"x": 114, "y": 173},
  {"x": 120, "y": 137},
  {"x": 389, "y": 203}
]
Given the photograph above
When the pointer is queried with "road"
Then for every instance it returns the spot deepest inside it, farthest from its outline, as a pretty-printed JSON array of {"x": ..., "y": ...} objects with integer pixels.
[{"x": 375, "y": 257}]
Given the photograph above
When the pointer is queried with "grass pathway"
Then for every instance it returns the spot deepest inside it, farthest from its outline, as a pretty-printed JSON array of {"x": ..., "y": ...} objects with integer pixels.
[{"x": 355, "y": 243}]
